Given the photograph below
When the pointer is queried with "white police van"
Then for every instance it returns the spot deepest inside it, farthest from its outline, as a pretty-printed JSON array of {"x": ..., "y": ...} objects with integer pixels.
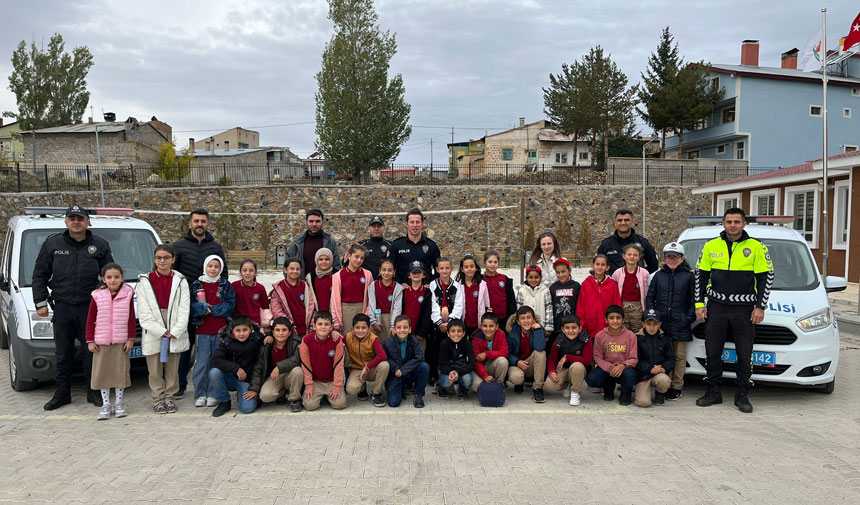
[
  {"x": 29, "y": 337},
  {"x": 798, "y": 341}
]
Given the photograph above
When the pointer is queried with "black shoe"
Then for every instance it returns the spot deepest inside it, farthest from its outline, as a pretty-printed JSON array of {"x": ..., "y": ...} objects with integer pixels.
[
  {"x": 463, "y": 394},
  {"x": 362, "y": 395},
  {"x": 431, "y": 381},
  {"x": 418, "y": 402},
  {"x": 659, "y": 398},
  {"x": 441, "y": 392},
  {"x": 538, "y": 395},
  {"x": 222, "y": 409},
  {"x": 711, "y": 397},
  {"x": 282, "y": 400},
  {"x": 295, "y": 405},
  {"x": 62, "y": 396},
  {"x": 94, "y": 397},
  {"x": 742, "y": 402},
  {"x": 377, "y": 400},
  {"x": 626, "y": 398},
  {"x": 673, "y": 394},
  {"x": 410, "y": 390},
  {"x": 608, "y": 394},
  {"x": 181, "y": 393},
  {"x": 519, "y": 389}
]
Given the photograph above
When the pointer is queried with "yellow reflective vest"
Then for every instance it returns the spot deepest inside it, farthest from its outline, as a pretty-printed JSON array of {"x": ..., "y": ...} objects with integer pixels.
[{"x": 734, "y": 273}]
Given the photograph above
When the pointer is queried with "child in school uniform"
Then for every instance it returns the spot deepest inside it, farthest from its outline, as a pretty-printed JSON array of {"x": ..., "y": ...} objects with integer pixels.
[
  {"x": 164, "y": 307},
  {"x": 476, "y": 300},
  {"x": 535, "y": 294},
  {"x": 293, "y": 298},
  {"x": 632, "y": 283},
  {"x": 569, "y": 359},
  {"x": 384, "y": 301},
  {"x": 320, "y": 279},
  {"x": 232, "y": 365},
  {"x": 563, "y": 294},
  {"x": 367, "y": 361},
  {"x": 456, "y": 361},
  {"x": 407, "y": 369},
  {"x": 278, "y": 371},
  {"x": 349, "y": 289},
  {"x": 500, "y": 288},
  {"x": 527, "y": 353},
  {"x": 597, "y": 293},
  {"x": 491, "y": 352},
  {"x": 446, "y": 303},
  {"x": 656, "y": 361},
  {"x": 110, "y": 336},
  {"x": 213, "y": 301},
  {"x": 616, "y": 356},
  {"x": 251, "y": 298},
  {"x": 322, "y": 353},
  {"x": 417, "y": 305}
]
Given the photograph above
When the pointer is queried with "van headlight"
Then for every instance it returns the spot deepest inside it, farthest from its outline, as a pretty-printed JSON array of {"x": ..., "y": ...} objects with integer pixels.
[
  {"x": 41, "y": 327},
  {"x": 815, "y": 321}
]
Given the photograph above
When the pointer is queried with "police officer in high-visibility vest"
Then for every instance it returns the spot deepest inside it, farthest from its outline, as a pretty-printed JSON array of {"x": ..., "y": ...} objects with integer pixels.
[{"x": 736, "y": 273}]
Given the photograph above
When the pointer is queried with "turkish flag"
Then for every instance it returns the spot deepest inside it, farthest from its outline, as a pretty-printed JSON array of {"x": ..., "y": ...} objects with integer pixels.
[{"x": 853, "y": 34}]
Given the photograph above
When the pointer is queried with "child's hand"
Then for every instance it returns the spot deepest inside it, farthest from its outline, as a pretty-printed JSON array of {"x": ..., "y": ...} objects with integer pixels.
[
  {"x": 657, "y": 369},
  {"x": 335, "y": 394},
  {"x": 453, "y": 376},
  {"x": 241, "y": 375},
  {"x": 363, "y": 374},
  {"x": 398, "y": 374},
  {"x": 419, "y": 338},
  {"x": 443, "y": 327},
  {"x": 128, "y": 345},
  {"x": 553, "y": 376},
  {"x": 535, "y": 325},
  {"x": 309, "y": 392},
  {"x": 481, "y": 357},
  {"x": 93, "y": 347},
  {"x": 268, "y": 340},
  {"x": 617, "y": 369},
  {"x": 489, "y": 378},
  {"x": 522, "y": 365},
  {"x": 561, "y": 362},
  {"x": 377, "y": 328},
  {"x": 275, "y": 374},
  {"x": 249, "y": 395}
]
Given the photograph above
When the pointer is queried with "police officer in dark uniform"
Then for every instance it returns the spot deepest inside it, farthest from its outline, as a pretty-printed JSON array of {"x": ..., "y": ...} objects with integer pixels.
[
  {"x": 377, "y": 247},
  {"x": 69, "y": 263},
  {"x": 415, "y": 246},
  {"x": 613, "y": 245}
]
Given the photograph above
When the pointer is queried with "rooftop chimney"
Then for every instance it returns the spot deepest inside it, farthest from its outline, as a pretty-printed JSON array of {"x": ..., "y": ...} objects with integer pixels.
[
  {"x": 90, "y": 120},
  {"x": 110, "y": 117},
  {"x": 749, "y": 53},
  {"x": 1, "y": 121},
  {"x": 211, "y": 146},
  {"x": 789, "y": 59},
  {"x": 522, "y": 122},
  {"x": 191, "y": 145},
  {"x": 226, "y": 145}
]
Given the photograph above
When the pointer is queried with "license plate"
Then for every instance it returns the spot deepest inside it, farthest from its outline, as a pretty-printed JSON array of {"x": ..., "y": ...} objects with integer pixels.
[
  {"x": 758, "y": 358},
  {"x": 136, "y": 352}
]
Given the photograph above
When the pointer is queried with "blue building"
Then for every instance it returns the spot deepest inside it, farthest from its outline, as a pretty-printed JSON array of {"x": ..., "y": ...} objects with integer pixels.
[{"x": 771, "y": 116}]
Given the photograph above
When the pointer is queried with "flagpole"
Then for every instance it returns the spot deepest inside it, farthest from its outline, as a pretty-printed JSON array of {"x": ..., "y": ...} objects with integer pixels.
[{"x": 825, "y": 221}]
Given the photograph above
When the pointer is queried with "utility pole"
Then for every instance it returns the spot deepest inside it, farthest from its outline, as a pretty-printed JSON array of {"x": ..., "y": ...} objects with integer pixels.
[
  {"x": 451, "y": 168},
  {"x": 431, "y": 156}
]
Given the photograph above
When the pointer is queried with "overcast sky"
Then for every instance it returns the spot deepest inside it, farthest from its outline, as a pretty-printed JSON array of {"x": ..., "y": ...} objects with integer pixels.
[{"x": 470, "y": 64}]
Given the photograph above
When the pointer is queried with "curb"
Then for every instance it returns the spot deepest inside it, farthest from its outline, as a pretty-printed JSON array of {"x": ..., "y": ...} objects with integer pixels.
[{"x": 849, "y": 324}]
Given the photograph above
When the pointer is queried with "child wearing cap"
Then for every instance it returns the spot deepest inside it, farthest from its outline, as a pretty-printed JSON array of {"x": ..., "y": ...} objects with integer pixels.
[
  {"x": 656, "y": 360},
  {"x": 563, "y": 295},
  {"x": 632, "y": 283},
  {"x": 417, "y": 303},
  {"x": 670, "y": 294},
  {"x": 535, "y": 294}
]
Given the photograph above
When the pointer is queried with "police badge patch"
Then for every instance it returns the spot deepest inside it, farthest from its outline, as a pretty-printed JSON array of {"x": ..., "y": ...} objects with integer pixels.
[
  {"x": 92, "y": 249},
  {"x": 383, "y": 248},
  {"x": 747, "y": 252},
  {"x": 425, "y": 248}
]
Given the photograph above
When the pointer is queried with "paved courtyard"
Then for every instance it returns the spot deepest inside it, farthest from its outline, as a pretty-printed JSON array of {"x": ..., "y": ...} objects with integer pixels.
[{"x": 799, "y": 447}]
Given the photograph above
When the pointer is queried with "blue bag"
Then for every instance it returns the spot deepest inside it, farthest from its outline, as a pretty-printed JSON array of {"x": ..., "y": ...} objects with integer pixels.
[{"x": 491, "y": 394}]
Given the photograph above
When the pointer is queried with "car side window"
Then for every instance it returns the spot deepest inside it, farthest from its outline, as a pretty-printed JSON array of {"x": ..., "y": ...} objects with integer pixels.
[{"x": 7, "y": 254}]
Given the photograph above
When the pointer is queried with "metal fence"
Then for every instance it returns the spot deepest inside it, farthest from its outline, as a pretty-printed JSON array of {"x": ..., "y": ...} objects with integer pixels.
[{"x": 22, "y": 177}]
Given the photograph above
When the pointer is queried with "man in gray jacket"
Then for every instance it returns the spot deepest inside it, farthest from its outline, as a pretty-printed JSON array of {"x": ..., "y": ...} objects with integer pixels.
[{"x": 306, "y": 244}]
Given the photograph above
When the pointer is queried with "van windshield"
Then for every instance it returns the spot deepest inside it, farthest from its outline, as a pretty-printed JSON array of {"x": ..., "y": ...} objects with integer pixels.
[
  {"x": 792, "y": 263},
  {"x": 131, "y": 248}
]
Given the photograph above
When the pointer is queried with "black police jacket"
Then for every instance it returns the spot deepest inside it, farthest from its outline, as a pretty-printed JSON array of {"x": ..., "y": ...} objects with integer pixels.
[
  {"x": 613, "y": 245},
  {"x": 70, "y": 268}
]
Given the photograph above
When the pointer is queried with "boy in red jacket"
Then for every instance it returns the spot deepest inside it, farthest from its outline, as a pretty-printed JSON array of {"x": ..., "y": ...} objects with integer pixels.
[
  {"x": 322, "y": 355},
  {"x": 616, "y": 356},
  {"x": 569, "y": 359},
  {"x": 491, "y": 352}
]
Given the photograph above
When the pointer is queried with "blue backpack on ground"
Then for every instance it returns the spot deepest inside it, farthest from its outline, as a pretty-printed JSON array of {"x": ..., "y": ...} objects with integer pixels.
[{"x": 491, "y": 394}]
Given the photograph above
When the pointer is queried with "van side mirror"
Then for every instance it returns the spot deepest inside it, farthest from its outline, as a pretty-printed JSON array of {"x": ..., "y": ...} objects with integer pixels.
[{"x": 833, "y": 284}]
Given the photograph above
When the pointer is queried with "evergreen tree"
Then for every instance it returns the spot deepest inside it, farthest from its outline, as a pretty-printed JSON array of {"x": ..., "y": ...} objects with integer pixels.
[
  {"x": 663, "y": 66},
  {"x": 692, "y": 99},
  {"x": 564, "y": 103},
  {"x": 362, "y": 116}
]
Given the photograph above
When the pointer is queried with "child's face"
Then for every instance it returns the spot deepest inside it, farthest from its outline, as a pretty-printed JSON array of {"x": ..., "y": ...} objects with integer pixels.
[
  {"x": 526, "y": 320},
  {"x": 293, "y": 271},
  {"x": 386, "y": 272},
  {"x": 456, "y": 333},
  {"x": 213, "y": 268},
  {"x": 652, "y": 326},
  {"x": 113, "y": 279},
  {"x": 562, "y": 273},
  {"x": 322, "y": 327},
  {"x": 600, "y": 266},
  {"x": 416, "y": 276},
  {"x": 631, "y": 256},
  {"x": 533, "y": 278},
  {"x": 241, "y": 332},
  {"x": 281, "y": 333},
  {"x": 615, "y": 321},
  {"x": 444, "y": 269},
  {"x": 570, "y": 330},
  {"x": 360, "y": 329},
  {"x": 488, "y": 327},
  {"x": 469, "y": 268},
  {"x": 163, "y": 261},
  {"x": 491, "y": 264},
  {"x": 248, "y": 272},
  {"x": 356, "y": 259},
  {"x": 324, "y": 262},
  {"x": 402, "y": 329}
]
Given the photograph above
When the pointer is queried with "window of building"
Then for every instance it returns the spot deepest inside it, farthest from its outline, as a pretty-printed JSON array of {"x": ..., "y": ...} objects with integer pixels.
[
  {"x": 721, "y": 149},
  {"x": 727, "y": 201},
  {"x": 583, "y": 155},
  {"x": 715, "y": 83},
  {"x": 700, "y": 124},
  {"x": 802, "y": 203},
  {"x": 764, "y": 202},
  {"x": 693, "y": 155},
  {"x": 729, "y": 114},
  {"x": 855, "y": 91},
  {"x": 849, "y": 148},
  {"x": 846, "y": 112},
  {"x": 561, "y": 158},
  {"x": 841, "y": 208},
  {"x": 815, "y": 110},
  {"x": 243, "y": 146},
  {"x": 507, "y": 154},
  {"x": 739, "y": 150}
]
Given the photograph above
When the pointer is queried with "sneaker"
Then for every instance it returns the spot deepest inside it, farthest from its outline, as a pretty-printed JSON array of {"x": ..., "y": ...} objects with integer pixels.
[
  {"x": 377, "y": 400},
  {"x": 538, "y": 395},
  {"x": 418, "y": 402},
  {"x": 518, "y": 389},
  {"x": 626, "y": 398},
  {"x": 362, "y": 395},
  {"x": 295, "y": 405},
  {"x": 211, "y": 401},
  {"x": 742, "y": 402},
  {"x": 565, "y": 393},
  {"x": 200, "y": 402},
  {"x": 94, "y": 397},
  {"x": 104, "y": 412},
  {"x": 673, "y": 394},
  {"x": 160, "y": 408},
  {"x": 609, "y": 395},
  {"x": 463, "y": 394},
  {"x": 441, "y": 392},
  {"x": 222, "y": 408},
  {"x": 575, "y": 398},
  {"x": 120, "y": 410},
  {"x": 659, "y": 398},
  {"x": 711, "y": 397},
  {"x": 181, "y": 393},
  {"x": 170, "y": 406}
]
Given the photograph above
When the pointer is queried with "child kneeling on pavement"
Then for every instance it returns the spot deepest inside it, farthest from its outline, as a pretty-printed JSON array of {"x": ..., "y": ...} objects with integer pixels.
[
  {"x": 322, "y": 353},
  {"x": 234, "y": 359},
  {"x": 456, "y": 361},
  {"x": 656, "y": 361},
  {"x": 569, "y": 359},
  {"x": 491, "y": 352},
  {"x": 407, "y": 368},
  {"x": 615, "y": 353},
  {"x": 367, "y": 361},
  {"x": 278, "y": 370},
  {"x": 527, "y": 352}
]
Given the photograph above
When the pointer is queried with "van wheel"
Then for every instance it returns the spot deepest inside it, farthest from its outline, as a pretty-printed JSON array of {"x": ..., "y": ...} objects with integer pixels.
[
  {"x": 828, "y": 388},
  {"x": 14, "y": 376}
]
